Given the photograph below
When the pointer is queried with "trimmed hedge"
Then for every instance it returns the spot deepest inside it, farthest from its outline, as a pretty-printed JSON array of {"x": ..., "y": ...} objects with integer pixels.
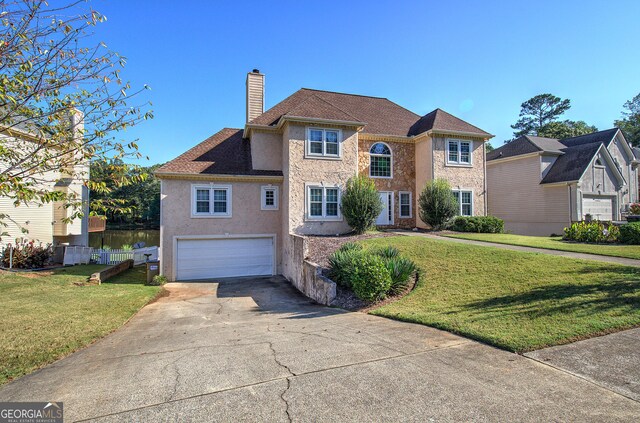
[
  {"x": 630, "y": 233},
  {"x": 481, "y": 224},
  {"x": 371, "y": 279}
]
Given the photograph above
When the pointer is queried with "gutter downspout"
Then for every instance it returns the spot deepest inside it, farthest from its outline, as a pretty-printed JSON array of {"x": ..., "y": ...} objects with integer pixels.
[
  {"x": 484, "y": 165},
  {"x": 570, "y": 206}
]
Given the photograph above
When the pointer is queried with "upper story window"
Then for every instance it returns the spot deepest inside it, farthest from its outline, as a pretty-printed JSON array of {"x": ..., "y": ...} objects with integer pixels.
[
  {"x": 380, "y": 161},
  {"x": 459, "y": 152},
  {"x": 323, "y": 202},
  {"x": 323, "y": 143},
  {"x": 211, "y": 201},
  {"x": 465, "y": 201},
  {"x": 269, "y": 198}
]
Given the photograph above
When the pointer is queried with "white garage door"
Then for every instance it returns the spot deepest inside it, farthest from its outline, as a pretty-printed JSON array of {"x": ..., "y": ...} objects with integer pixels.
[
  {"x": 600, "y": 208},
  {"x": 227, "y": 257}
]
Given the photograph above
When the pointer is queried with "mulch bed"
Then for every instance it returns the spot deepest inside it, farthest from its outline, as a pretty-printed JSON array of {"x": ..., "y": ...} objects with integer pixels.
[{"x": 321, "y": 247}]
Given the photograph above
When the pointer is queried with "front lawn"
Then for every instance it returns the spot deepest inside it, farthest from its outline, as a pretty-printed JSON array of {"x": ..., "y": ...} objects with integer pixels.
[
  {"x": 553, "y": 243},
  {"x": 513, "y": 300},
  {"x": 45, "y": 315}
]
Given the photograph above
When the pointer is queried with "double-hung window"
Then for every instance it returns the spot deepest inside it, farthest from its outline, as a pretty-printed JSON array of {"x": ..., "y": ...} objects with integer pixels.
[
  {"x": 269, "y": 198},
  {"x": 459, "y": 152},
  {"x": 465, "y": 202},
  {"x": 323, "y": 202},
  {"x": 211, "y": 201},
  {"x": 405, "y": 203},
  {"x": 323, "y": 142}
]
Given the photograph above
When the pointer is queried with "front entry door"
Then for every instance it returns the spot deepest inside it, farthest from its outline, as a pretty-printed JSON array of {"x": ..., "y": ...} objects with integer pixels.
[{"x": 386, "y": 217}]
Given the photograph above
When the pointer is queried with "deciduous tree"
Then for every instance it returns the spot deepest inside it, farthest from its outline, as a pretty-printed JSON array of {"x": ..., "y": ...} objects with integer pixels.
[
  {"x": 63, "y": 101},
  {"x": 630, "y": 122}
]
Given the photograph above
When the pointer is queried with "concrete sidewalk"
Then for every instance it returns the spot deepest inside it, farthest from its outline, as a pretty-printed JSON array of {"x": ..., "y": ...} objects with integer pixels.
[
  {"x": 569, "y": 254},
  {"x": 256, "y": 350}
]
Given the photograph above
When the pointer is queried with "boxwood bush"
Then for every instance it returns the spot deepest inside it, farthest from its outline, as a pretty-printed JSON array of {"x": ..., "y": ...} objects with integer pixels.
[
  {"x": 630, "y": 233},
  {"x": 360, "y": 203},
  {"x": 371, "y": 279},
  {"x": 481, "y": 224}
]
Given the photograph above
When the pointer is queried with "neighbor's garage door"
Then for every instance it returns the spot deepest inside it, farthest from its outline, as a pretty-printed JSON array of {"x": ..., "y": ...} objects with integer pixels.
[
  {"x": 600, "y": 208},
  {"x": 219, "y": 258}
]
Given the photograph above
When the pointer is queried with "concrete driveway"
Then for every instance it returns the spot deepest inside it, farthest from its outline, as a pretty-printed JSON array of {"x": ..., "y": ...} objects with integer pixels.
[{"x": 256, "y": 350}]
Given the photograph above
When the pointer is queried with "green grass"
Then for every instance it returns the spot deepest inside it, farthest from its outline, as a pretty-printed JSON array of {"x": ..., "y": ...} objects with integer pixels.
[
  {"x": 513, "y": 300},
  {"x": 46, "y": 316},
  {"x": 554, "y": 243}
]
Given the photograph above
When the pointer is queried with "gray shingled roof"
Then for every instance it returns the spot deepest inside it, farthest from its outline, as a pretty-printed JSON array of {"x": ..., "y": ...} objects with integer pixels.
[
  {"x": 603, "y": 137},
  {"x": 524, "y": 145},
  {"x": 571, "y": 165}
]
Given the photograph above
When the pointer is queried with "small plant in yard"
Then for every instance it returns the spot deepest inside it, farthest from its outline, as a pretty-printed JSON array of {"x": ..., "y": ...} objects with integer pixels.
[
  {"x": 371, "y": 279},
  {"x": 27, "y": 255},
  {"x": 127, "y": 247},
  {"x": 387, "y": 252},
  {"x": 401, "y": 269},
  {"x": 342, "y": 264},
  {"x": 594, "y": 231},
  {"x": 630, "y": 233},
  {"x": 357, "y": 269},
  {"x": 437, "y": 203},
  {"x": 361, "y": 203},
  {"x": 157, "y": 280}
]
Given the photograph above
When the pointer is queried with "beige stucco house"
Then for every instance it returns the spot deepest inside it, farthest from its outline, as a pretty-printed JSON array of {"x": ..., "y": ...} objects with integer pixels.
[
  {"x": 47, "y": 223},
  {"x": 229, "y": 204},
  {"x": 540, "y": 185}
]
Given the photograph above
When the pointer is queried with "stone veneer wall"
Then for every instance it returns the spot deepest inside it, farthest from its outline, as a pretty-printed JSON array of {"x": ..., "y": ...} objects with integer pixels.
[
  {"x": 463, "y": 177},
  {"x": 403, "y": 176}
]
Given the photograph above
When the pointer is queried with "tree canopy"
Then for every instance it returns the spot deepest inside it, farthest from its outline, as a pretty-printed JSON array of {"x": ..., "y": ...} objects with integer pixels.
[
  {"x": 63, "y": 97},
  {"x": 537, "y": 112},
  {"x": 630, "y": 122},
  {"x": 566, "y": 129}
]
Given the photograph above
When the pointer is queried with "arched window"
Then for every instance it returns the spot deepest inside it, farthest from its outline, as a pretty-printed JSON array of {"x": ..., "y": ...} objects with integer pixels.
[{"x": 380, "y": 161}]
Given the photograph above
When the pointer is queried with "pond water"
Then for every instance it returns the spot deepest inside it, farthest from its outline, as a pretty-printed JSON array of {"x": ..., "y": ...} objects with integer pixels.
[{"x": 117, "y": 238}]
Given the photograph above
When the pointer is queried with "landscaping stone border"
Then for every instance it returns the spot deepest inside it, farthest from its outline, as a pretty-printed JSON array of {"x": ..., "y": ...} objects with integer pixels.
[{"x": 111, "y": 271}]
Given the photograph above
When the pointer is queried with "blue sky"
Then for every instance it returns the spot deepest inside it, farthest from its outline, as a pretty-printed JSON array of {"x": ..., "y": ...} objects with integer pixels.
[{"x": 478, "y": 60}]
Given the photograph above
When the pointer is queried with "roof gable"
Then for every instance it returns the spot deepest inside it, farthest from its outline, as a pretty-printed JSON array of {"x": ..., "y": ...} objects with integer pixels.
[
  {"x": 604, "y": 137},
  {"x": 439, "y": 120},
  {"x": 575, "y": 161}
]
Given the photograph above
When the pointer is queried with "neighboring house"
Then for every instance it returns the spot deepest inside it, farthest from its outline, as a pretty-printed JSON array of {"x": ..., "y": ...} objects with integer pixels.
[
  {"x": 540, "y": 185},
  {"x": 44, "y": 222},
  {"x": 229, "y": 204}
]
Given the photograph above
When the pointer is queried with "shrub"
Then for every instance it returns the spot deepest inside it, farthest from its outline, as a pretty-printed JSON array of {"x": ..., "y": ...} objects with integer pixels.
[
  {"x": 634, "y": 208},
  {"x": 400, "y": 269},
  {"x": 594, "y": 231},
  {"x": 158, "y": 280},
  {"x": 387, "y": 252},
  {"x": 342, "y": 265},
  {"x": 481, "y": 224},
  {"x": 437, "y": 203},
  {"x": 361, "y": 203},
  {"x": 27, "y": 255},
  {"x": 371, "y": 280},
  {"x": 127, "y": 247},
  {"x": 630, "y": 233},
  {"x": 349, "y": 246}
]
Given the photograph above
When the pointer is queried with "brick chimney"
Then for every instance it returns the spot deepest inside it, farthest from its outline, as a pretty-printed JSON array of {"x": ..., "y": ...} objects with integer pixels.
[{"x": 255, "y": 94}]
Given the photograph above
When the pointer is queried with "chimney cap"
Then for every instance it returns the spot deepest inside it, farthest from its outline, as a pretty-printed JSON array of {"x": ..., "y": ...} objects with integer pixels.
[{"x": 256, "y": 71}]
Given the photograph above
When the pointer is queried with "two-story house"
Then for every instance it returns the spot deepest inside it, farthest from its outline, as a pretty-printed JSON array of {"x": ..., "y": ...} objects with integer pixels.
[
  {"x": 540, "y": 185},
  {"x": 229, "y": 204}
]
